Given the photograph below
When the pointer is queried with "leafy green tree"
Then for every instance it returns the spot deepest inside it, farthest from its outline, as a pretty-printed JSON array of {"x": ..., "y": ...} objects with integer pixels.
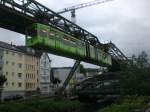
[
  {"x": 2, "y": 81},
  {"x": 142, "y": 60},
  {"x": 136, "y": 78}
]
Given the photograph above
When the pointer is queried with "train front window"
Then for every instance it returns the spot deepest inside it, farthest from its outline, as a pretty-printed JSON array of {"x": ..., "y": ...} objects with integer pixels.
[{"x": 32, "y": 32}]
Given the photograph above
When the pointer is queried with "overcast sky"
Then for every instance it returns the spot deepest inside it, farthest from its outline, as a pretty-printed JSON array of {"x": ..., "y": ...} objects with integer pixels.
[{"x": 124, "y": 22}]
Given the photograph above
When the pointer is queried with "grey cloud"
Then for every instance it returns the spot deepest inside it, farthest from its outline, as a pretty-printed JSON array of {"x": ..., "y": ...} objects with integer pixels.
[{"x": 9, "y": 36}]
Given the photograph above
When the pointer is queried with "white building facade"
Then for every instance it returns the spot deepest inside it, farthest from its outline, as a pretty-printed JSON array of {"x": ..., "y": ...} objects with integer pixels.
[
  {"x": 20, "y": 66},
  {"x": 45, "y": 72}
]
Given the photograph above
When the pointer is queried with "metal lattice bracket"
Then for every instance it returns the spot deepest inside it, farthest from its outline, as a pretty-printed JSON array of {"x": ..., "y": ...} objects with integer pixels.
[{"x": 41, "y": 14}]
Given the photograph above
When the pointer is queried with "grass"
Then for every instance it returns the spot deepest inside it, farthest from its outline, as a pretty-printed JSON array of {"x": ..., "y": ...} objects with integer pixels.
[
  {"x": 41, "y": 106},
  {"x": 129, "y": 104}
]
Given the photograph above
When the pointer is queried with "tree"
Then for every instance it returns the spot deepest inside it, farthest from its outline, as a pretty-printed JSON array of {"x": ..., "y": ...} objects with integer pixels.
[
  {"x": 136, "y": 78},
  {"x": 56, "y": 80},
  {"x": 142, "y": 60},
  {"x": 53, "y": 79},
  {"x": 82, "y": 70},
  {"x": 2, "y": 80}
]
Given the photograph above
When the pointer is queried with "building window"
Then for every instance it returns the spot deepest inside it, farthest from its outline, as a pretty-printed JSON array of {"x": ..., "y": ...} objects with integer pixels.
[
  {"x": 6, "y": 73},
  {"x": 7, "y": 62},
  {"x": 19, "y": 75},
  {"x": 44, "y": 88},
  {"x": 37, "y": 72},
  {"x": 12, "y": 83},
  {"x": 1, "y": 57},
  {"x": 19, "y": 84},
  {"x": 13, "y": 63},
  {"x": 19, "y": 65},
  {"x": 27, "y": 85},
  {"x": 6, "y": 83}
]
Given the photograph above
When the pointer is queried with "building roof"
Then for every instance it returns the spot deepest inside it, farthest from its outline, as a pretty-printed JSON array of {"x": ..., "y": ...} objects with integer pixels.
[
  {"x": 22, "y": 49},
  {"x": 87, "y": 69},
  {"x": 9, "y": 46},
  {"x": 61, "y": 67},
  {"x": 92, "y": 69},
  {"x": 30, "y": 51},
  {"x": 48, "y": 57}
]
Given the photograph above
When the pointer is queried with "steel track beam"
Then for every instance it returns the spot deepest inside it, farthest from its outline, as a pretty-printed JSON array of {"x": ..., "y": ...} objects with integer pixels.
[{"x": 36, "y": 12}]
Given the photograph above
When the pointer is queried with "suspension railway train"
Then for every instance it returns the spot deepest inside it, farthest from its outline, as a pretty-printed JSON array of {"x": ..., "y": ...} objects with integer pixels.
[{"x": 51, "y": 40}]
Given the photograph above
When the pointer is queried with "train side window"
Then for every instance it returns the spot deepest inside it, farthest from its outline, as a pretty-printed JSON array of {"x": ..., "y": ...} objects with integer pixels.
[
  {"x": 104, "y": 55},
  {"x": 65, "y": 37},
  {"x": 72, "y": 40},
  {"x": 80, "y": 43},
  {"x": 57, "y": 36},
  {"x": 51, "y": 34},
  {"x": 53, "y": 31},
  {"x": 43, "y": 33},
  {"x": 28, "y": 37}
]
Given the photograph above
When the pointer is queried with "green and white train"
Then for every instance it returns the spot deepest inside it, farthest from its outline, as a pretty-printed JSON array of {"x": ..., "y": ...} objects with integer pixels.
[{"x": 51, "y": 40}]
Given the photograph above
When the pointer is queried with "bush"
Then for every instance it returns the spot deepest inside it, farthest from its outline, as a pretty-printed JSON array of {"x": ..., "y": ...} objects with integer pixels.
[
  {"x": 41, "y": 106},
  {"x": 17, "y": 108},
  {"x": 129, "y": 104},
  {"x": 55, "y": 106}
]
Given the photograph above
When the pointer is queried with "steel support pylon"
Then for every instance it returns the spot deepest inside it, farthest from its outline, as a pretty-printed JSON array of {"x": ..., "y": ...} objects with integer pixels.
[{"x": 72, "y": 71}]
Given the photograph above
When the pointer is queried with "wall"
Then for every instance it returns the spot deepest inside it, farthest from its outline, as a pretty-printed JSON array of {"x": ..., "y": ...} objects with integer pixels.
[
  {"x": 13, "y": 69},
  {"x": 62, "y": 73},
  {"x": 32, "y": 66},
  {"x": 45, "y": 70}
]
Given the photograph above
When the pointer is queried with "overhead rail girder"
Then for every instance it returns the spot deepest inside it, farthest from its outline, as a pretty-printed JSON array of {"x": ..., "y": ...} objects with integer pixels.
[
  {"x": 115, "y": 52},
  {"x": 30, "y": 11}
]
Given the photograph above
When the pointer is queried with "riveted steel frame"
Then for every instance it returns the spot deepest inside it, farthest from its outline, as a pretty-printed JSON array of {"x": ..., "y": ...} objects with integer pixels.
[{"x": 44, "y": 15}]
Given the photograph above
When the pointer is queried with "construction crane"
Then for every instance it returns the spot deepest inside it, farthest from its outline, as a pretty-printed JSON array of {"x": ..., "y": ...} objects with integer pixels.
[{"x": 72, "y": 9}]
